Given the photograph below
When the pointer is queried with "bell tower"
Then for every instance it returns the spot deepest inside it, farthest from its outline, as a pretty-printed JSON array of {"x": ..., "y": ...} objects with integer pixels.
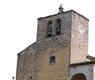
[
  {"x": 62, "y": 39},
  {"x": 57, "y": 25},
  {"x": 69, "y": 26}
]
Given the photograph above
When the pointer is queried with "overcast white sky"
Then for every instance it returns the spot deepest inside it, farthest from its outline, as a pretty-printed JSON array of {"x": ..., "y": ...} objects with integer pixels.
[{"x": 18, "y": 26}]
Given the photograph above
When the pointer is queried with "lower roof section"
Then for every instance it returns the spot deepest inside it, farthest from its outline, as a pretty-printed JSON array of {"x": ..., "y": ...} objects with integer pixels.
[{"x": 83, "y": 63}]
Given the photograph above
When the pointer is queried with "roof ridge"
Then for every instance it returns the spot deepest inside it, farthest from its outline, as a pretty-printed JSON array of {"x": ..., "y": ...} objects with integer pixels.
[{"x": 62, "y": 13}]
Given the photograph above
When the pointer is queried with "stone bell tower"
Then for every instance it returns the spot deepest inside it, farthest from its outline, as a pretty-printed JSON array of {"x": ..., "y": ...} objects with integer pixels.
[
  {"x": 61, "y": 40},
  {"x": 72, "y": 27}
]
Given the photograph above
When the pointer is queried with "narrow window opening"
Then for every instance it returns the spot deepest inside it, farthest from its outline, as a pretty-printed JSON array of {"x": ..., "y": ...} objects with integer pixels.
[
  {"x": 58, "y": 27},
  {"x": 49, "y": 30},
  {"x": 52, "y": 60}
]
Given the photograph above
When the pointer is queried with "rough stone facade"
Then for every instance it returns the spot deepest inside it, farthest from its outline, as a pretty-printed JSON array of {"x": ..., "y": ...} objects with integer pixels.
[
  {"x": 71, "y": 46},
  {"x": 34, "y": 61},
  {"x": 79, "y": 38}
]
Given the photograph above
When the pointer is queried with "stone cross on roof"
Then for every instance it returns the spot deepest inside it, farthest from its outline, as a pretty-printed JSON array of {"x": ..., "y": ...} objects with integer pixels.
[{"x": 60, "y": 8}]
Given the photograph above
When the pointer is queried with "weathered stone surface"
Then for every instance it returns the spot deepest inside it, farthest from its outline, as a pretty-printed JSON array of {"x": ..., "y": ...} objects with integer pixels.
[
  {"x": 79, "y": 39},
  {"x": 34, "y": 60}
]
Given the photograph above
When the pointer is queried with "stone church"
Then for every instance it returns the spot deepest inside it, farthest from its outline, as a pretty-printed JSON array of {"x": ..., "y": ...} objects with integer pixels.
[{"x": 60, "y": 51}]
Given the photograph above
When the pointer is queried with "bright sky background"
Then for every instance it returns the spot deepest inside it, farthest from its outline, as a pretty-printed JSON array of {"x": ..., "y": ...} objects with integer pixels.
[{"x": 18, "y": 26}]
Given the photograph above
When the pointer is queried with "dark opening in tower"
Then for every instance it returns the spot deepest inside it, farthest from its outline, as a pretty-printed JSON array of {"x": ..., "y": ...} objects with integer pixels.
[
  {"x": 49, "y": 29},
  {"x": 58, "y": 27}
]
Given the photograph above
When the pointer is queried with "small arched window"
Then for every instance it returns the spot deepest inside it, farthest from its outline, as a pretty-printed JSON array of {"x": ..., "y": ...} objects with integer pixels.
[
  {"x": 52, "y": 59},
  {"x": 49, "y": 29},
  {"x": 58, "y": 27}
]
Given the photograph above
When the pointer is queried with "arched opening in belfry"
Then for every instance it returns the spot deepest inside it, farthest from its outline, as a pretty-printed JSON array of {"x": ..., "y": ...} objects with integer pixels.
[
  {"x": 79, "y": 76},
  {"x": 49, "y": 29},
  {"x": 58, "y": 27}
]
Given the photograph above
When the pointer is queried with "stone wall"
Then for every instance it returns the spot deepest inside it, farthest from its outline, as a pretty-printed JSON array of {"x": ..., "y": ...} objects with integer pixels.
[
  {"x": 26, "y": 64},
  {"x": 34, "y": 60},
  {"x": 59, "y": 70},
  {"x": 79, "y": 38}
]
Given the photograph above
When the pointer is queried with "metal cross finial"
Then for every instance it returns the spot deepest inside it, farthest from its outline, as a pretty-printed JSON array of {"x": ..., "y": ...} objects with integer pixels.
[{"x": 60, "y": 9}]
